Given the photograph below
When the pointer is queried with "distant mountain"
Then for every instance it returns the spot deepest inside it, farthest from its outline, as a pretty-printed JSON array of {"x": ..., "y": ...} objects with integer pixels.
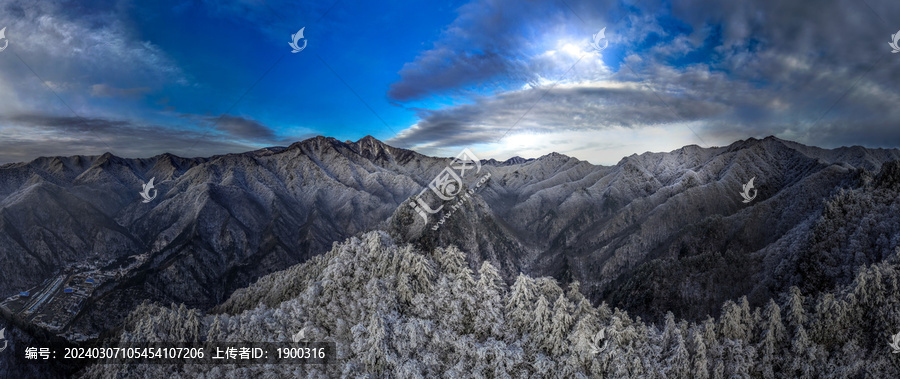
[
  {"x": 655, "y": 232},
  {"x": 662, "y": 232}
]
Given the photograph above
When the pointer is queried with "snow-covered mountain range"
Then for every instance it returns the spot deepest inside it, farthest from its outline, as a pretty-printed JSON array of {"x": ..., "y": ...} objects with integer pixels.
[{"x": 656, "y": 232}]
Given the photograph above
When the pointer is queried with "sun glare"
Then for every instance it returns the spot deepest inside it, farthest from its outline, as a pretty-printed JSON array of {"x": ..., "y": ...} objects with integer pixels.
[
  {"x": 571, "y": 48},
  {"x": 521, "y": 140}
]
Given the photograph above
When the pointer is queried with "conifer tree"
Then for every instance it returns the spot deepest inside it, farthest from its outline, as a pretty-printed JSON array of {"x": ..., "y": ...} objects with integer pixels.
[
  {"x": 678, "y": 361},
  {"x": 796, "y": 314},
  {"x": 699, "y": 363},
  {"x": 518, "y": 307},
  {"x": 731, "y": 324},
  {"x": 489, "y": 315},
  {"x": 560, "y": 325}
]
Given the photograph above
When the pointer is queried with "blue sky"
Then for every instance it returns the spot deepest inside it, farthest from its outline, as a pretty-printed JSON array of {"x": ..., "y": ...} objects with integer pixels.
[{"x": 505, "y": 78}]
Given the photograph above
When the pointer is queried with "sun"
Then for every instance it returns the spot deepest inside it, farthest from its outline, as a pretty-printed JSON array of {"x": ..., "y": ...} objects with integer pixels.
[
  {"x": 522, "y": 141},
  {"x": 572, "y": 49}
]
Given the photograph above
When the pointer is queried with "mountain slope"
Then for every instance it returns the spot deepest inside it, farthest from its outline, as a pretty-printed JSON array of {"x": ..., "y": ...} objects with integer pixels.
[
  {"x": 615, "y": 229},
  {"x": 393, "y": 311},
  {"x": 221, "y": 222}
]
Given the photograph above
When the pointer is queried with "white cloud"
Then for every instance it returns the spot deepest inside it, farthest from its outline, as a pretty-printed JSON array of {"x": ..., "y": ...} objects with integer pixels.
[
  {"x": 72, "y": 53},
  {"x": 729, "y": 70}
]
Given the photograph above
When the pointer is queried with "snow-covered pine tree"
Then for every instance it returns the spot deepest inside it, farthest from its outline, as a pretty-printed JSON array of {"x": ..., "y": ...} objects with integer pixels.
[
  {"x": 518, "y": 306},
  {"x": 699, "y": 361},
  {"x": 678, "y": 361},
  {"x": 731, "y": 325},
  {"x": 796, "y": 315},
  {"x": 560, "y": 327},
  {"x": 773, "y": 341},
  {"x": 541, "y": 324},
  {"x": 489, "y": 309}
]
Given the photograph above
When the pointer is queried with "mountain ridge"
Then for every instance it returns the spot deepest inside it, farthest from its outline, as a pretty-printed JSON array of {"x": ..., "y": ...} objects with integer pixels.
[{"x": 242, "y": 216}]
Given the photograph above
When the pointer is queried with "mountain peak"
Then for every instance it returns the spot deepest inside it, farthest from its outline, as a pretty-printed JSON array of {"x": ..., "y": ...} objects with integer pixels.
[
  {"x": 108, "y": 158},
  {"x": 370, "y": 143},
  {"x": 752, "y": 142},
  {"x": 515, "y": 160},
  {"x": 555, "y": 156},
  {"x": 373, "y": 148},
  {"x": 369, "y": 139},
  {"x": 314, "y": 142}
]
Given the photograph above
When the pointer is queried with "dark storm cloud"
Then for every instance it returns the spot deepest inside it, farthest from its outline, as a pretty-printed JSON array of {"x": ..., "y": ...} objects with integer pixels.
[
  {"x": 65, "y": 123},
  {"x": 430, "y": 72},
  {"x": 243, "y": 128}
]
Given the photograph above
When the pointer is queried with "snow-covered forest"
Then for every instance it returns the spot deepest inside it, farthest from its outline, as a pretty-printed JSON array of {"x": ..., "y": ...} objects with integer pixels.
[{"x": 396, "y": 312}]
